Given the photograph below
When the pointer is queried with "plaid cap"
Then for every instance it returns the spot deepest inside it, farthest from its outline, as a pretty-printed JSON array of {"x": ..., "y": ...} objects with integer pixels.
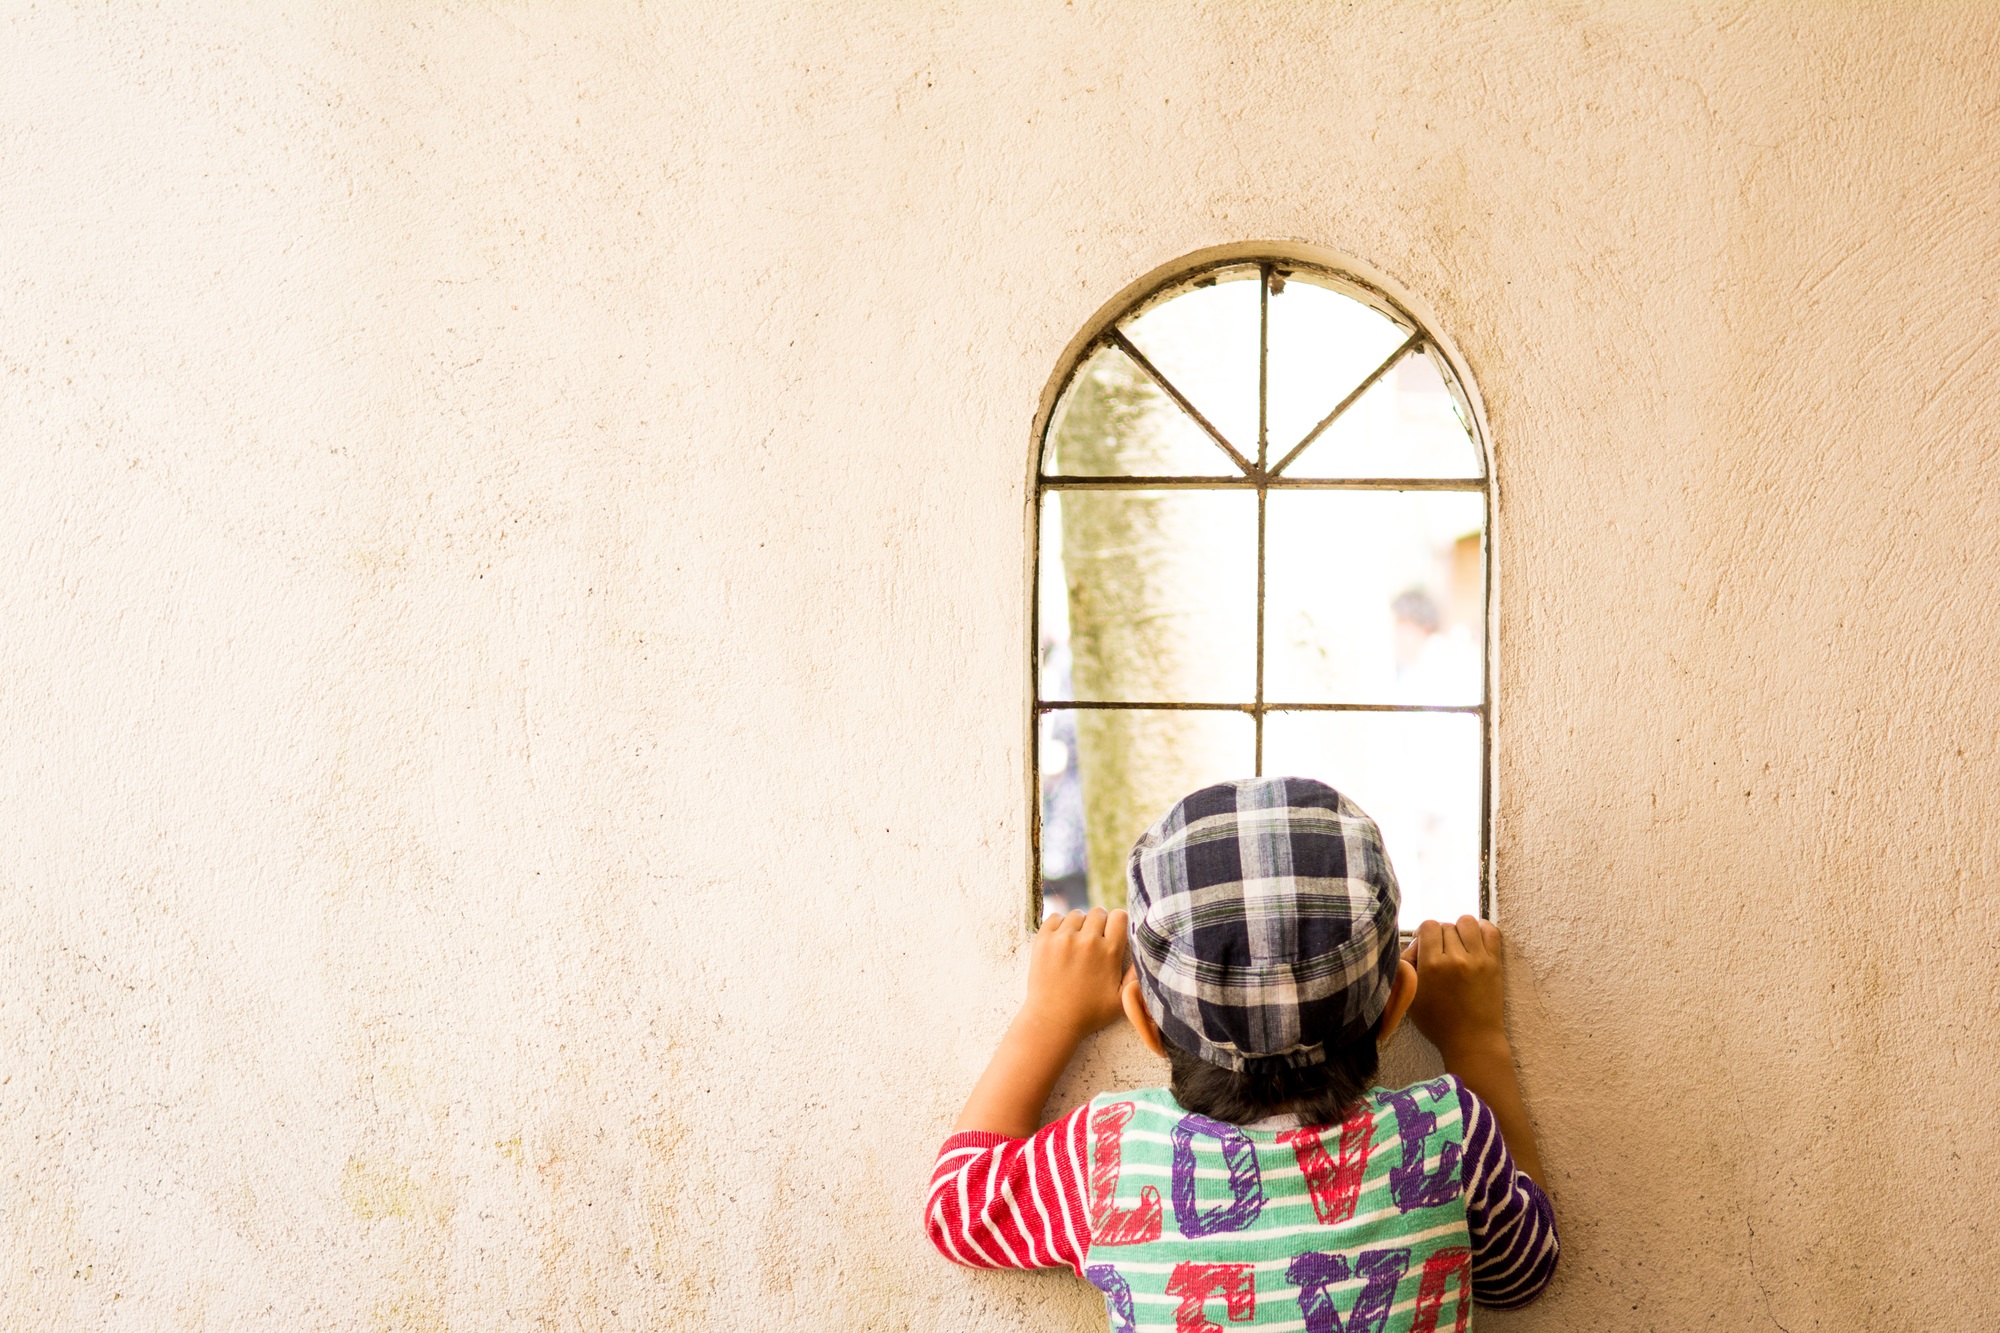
[{"x": 1263, "y": 919}]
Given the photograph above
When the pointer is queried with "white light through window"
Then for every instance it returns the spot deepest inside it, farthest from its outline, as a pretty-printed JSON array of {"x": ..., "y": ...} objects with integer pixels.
[{"x": 1262, "y": 514}]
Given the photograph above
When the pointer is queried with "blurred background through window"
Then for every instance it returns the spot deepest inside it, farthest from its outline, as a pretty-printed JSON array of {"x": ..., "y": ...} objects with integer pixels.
[{"x": 1227, "y": 586}]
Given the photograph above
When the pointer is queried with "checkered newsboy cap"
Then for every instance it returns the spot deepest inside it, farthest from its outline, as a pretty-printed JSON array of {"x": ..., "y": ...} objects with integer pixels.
[{"x": 1263, "y": 921}]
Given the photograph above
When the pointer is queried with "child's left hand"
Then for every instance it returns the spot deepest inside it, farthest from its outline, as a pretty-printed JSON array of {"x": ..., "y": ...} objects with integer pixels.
[{"x": 1074, "y": 972}]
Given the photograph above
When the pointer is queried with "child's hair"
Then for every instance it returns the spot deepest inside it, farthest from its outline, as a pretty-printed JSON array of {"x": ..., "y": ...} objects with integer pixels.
[{"x": 1323, "y": 1094}]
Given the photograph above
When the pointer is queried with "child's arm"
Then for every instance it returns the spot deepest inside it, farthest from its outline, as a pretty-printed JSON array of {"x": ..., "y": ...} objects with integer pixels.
[
  {"x": 1459, "y": 1006},
  {"x": 1074, "y": 972}
]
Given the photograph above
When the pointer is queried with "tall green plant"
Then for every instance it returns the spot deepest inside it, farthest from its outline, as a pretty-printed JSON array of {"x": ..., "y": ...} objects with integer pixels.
[{"x": 1128, "y": 558}]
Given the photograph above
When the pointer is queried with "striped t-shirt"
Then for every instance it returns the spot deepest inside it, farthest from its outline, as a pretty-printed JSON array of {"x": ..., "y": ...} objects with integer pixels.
[{"x": 999, "y": 1202}]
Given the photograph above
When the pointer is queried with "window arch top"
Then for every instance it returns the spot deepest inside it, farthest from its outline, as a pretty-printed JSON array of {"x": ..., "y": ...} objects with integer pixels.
[
  {"x": 1293, "y": 379},
  {"x": 1261, "y": 515}
]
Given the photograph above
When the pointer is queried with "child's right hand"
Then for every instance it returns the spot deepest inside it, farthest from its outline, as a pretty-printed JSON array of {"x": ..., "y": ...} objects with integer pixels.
[
  {"x": 1074, "y": 972},
  {"x": 1460, "y": 988}
]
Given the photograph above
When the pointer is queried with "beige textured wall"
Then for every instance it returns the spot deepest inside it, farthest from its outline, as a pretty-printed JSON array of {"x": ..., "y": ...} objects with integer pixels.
[{"x": 511, "y": 617}]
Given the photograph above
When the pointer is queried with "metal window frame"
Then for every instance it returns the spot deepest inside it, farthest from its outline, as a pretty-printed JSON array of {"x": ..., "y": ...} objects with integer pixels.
[{"x": 1201, "y": 270}]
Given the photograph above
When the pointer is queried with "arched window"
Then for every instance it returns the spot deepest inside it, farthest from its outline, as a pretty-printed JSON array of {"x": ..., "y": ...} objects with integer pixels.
[{"x": 1261, "y": 517}]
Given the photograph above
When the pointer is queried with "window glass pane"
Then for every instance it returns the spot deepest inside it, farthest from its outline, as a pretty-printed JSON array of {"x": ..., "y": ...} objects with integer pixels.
[
  {"x": 1323, "y": 343},
  {"x": 1374, "y": 597},
  {"x": 1108, "y": 773},
  {"x": 1417, "y": 774},
  {"x": 1408, "y": 425},
  {"x": 1113, "y": 421},
  {"x": 1369, "y": 597},
  {"x": 1159, "y": 593},
  {"x": 1206, "y": 342}
]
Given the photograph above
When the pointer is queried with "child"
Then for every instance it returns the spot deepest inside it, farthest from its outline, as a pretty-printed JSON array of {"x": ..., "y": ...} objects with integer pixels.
[{"x": 1270, "y": 1184}]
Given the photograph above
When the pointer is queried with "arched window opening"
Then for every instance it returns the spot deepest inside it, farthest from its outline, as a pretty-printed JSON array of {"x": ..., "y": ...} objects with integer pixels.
[{"x": 1262, "y": 510}]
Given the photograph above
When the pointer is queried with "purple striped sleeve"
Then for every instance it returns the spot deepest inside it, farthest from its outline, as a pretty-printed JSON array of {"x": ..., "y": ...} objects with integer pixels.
[{"x": 1514, "y": 1246}]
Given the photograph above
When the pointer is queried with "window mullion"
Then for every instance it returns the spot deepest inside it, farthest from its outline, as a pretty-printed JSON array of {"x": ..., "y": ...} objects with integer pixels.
[
  {"x": 1263, "y": 366},
  {"x": 1152, "y": 372},
  {"x": 1414, "y": 341},
  {"x": 1262, "y": 496}
]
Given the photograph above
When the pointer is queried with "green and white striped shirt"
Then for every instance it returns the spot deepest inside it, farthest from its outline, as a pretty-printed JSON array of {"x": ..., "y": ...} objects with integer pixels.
[{"x": 1196, "y": 1224}]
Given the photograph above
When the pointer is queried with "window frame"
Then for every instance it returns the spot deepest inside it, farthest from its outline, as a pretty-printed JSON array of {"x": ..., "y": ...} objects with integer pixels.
[{"x": 1388, "y": 298}]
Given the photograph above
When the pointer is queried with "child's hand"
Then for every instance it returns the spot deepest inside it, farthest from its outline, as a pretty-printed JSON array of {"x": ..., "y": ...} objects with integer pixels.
[
  {"x": 1459, "y": 986},
  {"x": 1459, "y": 1007},
  {"x": 1074, "y": 972}
]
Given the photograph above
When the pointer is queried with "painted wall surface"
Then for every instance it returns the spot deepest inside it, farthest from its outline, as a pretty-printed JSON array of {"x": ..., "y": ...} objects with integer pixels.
[{"x": 512, "y": 608}]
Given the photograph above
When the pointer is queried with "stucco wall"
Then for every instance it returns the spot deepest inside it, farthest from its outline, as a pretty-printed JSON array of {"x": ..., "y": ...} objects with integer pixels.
[{"x": 512, "y": 585}]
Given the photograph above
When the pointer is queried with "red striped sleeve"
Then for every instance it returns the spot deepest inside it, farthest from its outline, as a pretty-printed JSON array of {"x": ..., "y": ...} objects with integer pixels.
[{"x": 997, "y": 1202}]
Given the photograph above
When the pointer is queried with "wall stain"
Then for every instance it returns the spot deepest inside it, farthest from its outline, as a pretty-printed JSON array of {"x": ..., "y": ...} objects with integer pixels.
[
  {"x": 49, "y": 1258},
  {"x": 378, "y": 1189}
]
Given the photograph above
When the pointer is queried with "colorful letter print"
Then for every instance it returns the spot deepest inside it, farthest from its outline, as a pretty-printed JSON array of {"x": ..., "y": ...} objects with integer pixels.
[
  {"x": 1246, "y": 1179},
  {"x": 1196, "y": 1283},
  {"x": 1110, "y": 1224}
]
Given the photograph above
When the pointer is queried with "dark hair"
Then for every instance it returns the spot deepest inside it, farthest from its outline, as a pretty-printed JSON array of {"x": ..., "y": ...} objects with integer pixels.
[
  {"x": 1417, "y": 606},
  {"x": 1324, "y": 1094}
]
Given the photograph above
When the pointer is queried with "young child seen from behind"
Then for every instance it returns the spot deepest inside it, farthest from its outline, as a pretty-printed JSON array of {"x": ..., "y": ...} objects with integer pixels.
[{"x": 1271, "y": 1183}]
